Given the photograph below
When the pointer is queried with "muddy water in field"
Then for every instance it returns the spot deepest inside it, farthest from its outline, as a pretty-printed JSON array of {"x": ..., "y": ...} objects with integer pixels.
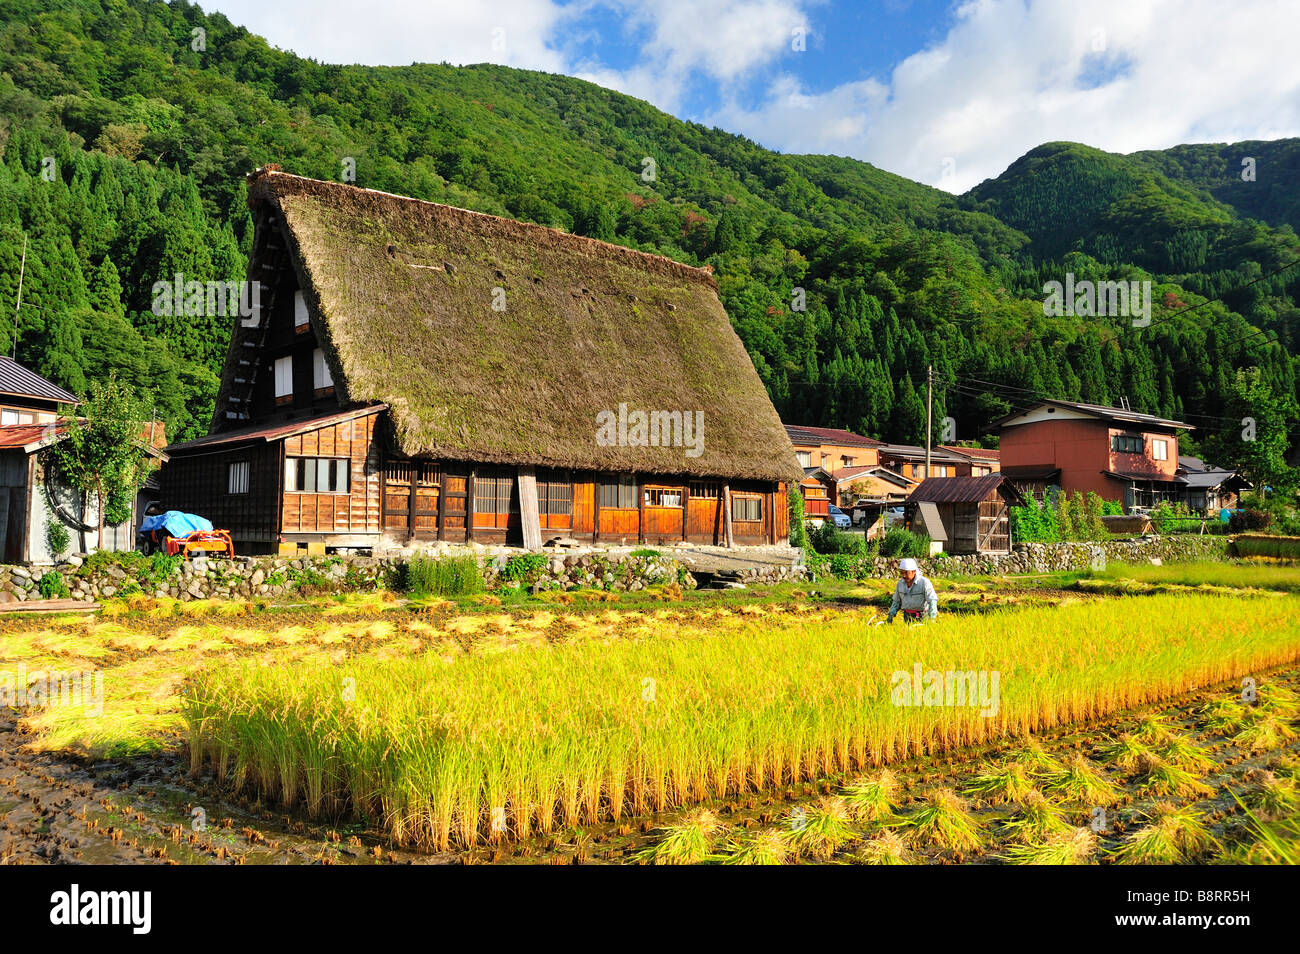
[{"x": 55, "y": 809}]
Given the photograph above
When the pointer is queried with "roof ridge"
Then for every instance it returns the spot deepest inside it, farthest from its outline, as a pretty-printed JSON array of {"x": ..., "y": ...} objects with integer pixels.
[{"x": 703, "y": 273}]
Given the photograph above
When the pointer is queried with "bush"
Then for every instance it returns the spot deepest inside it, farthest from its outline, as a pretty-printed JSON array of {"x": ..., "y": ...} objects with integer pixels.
[
  {"x": 829, "y": 539},
  {"x": 53, "y": 587},
  {"x": 56, "y": 536},
  {"x": 1244, "y": 520},
  {"x": 1034, "y": 523},
  {"x": 904, "y": 543},
  {"x": 528, "y": 567},
  {"x": 444, "y": 576},
  {"x": 798, "y": 532}
]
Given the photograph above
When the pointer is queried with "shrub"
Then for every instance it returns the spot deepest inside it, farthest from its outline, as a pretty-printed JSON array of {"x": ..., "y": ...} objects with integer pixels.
[
  {"x": 798, "y": 532},
  {"x": 645, "y": 553},
  {"x": 526, "y": 567},
  {"x": 899, "y": 542},
  {"x": 829, "y": 539},
  {"x": 56, "y": 536},
  {"x": 53, "y": 587},
  {"x": 1245, "y": 520},
  {"x": 444, "y": 576},
  {"x": 1034, "y": 523}
]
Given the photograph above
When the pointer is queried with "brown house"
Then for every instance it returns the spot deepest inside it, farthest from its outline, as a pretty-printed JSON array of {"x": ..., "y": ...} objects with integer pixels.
[
  {"x": 419, "y": 372},
  {"x": 831, "y": 448},
  {"x": 909, "y": 461},
  {"x": 1114, "y": 452},
  {"x": 970, "y": 514}
]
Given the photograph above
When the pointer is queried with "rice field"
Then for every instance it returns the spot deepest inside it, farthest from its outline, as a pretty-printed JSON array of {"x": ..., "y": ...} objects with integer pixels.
[{"x": 455, "y": 752}]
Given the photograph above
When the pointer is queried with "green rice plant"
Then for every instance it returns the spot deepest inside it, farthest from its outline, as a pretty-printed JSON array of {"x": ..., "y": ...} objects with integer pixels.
[
  {"x": 1277, "y": 797},
  {"x": 1037, "y": 759},
  {"x": 1264, "y": 733},
  {"x": 1279, "y": 700},
  {"x": 1223, "y": 717},
  {"x": 1269, "y": 545},
  {"x": 1126, "y": 752},
  {"x": 1036, "y": 820},
  {"x": 765, "y": 848},
  {"x": 821, "y": 830},
  {"x": 1154, "y": 729},
  {"x": 1075, "y": 846},
  {"x": 443, "y": 576},
  {"x": 944, "y": 822},
  {"x": 1185, "y": 754},
  {"x": 886, "y": 847},
  {"x": 1158, "y": 777},
  {"x": 1174, "y": 836},
  {"x": 562, "y": 732},
  {"x": 687, "y": 843},
  {"x": 1275, "y": 843},
  {"x": 873, "y": 799},
  {"x": 1079, "y": 781},
  {"x": 1001, "y": 784}
]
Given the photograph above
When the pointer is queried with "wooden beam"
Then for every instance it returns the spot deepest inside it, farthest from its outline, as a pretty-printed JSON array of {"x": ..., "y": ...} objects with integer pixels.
[
  {"x": 595, "y": 507},
  {"x": 686, "y": 508},
  {"x": 469, "y": 507},
  {"x": 529, "y": 518},
  {"x": 639, "y": 489},
  {"x": 442, "y": 503},
  {"x": 726, "y": 516}
]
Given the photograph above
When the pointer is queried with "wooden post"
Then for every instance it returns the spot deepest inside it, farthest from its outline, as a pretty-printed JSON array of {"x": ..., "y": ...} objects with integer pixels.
[
  {"x": 595, "y": 508},
  {"x": 442, "y": 503},
  {"x": 529, "y": 518},
  {"x": 638, "y": 488},
  {"x": 410, "y": 502},
  {"x": 726, "y": 516},
  {"x": 686, "y": 509},
  {"x": 469, "y": 506}
]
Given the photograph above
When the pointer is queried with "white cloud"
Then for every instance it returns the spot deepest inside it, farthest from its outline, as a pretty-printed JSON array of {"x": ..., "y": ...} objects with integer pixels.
[
  {"x": 1006, "y": 78},
  {"x": 400, "y": 32}
]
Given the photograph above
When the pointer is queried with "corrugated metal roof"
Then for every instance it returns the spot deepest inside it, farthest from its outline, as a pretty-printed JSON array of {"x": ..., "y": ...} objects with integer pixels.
[
  {"x": 23, "y": 382},
  {"x": 914, "y": 452},
  {"x": 961, "y": 489},
  {"x": 26, "y": 436},
  {"x": 274, "y": 432},
  {"x": 1117, "y": 414}
]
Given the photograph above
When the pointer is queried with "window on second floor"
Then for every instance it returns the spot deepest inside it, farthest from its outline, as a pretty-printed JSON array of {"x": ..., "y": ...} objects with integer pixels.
[
  {"x": 316, "y": 475},
  {"x": 1126, "y": 444},
  {"x": 805, "y": 458},
  {"x": 321, "y": 379},
  {"x": 284, "y": 379},
  {"x": 300, "y": 323},
  {"x": 1159, "y": 450}
]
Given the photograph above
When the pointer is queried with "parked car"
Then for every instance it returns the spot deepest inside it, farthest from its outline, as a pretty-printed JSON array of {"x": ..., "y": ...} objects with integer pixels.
[
  {"x": 841, "y": 519},
  {"x": 894, "y": 517}
]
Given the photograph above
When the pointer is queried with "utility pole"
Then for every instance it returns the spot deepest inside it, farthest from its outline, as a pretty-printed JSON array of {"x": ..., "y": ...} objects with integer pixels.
[
  {"x": 22, "y": 271},
  {"x": 929, "y": 413}
]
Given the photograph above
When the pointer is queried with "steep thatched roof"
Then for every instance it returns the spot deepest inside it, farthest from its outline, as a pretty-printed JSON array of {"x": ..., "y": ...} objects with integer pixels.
[{"x": 403, "y": 291}]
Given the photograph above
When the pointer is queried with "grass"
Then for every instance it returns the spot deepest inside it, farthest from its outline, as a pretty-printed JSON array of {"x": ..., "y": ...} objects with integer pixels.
[
  {"x": 1036, "y": 821},
  {"x": 821, "y": 830},
  {"x": 764, "y": 848},
  {"x": 570, "y": 733},
  {"x": 686, "y": 843},
  {"x": 886, "y": 847},
  {"x": 1267, "y": 545},
  {"x": 1227, "y": 575},
  {"x": 1079, "y": 781},
  {"x": 874, "y": 799},
  {"x": 1174, "y": 836}
]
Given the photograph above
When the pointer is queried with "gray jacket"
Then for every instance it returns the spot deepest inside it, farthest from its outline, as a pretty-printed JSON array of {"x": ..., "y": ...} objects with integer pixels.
[{"x": 919, "y": 596}]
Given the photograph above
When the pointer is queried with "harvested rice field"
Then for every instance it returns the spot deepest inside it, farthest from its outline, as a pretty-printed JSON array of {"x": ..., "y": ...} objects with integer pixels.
[{"x": 1154, "y": 721}]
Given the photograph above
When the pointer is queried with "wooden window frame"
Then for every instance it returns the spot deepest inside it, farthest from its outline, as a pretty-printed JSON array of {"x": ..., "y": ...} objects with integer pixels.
[
  {"x": 301, "y": 327},
  {"x": 627, "y": 484},
  {"x": 287, "y": 396},
  {"x": 745, "y": 500},
  {"x": 232, "y": 483},
  {"x": 655, "y": 495},
  {"x": 340, "y": 466},
  {"x": 1124, "y": 444}
]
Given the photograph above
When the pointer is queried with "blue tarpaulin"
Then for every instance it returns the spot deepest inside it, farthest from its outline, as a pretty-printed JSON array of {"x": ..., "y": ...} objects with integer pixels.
[{"x": 177, "y": 523}]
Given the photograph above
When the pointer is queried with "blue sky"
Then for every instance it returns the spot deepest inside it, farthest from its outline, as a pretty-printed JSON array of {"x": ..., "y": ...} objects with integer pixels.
[{"x": 947, "y": 92}]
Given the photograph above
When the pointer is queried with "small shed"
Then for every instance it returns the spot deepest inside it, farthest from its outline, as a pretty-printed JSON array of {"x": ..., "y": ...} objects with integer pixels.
[{"x": 974, "y": 512}]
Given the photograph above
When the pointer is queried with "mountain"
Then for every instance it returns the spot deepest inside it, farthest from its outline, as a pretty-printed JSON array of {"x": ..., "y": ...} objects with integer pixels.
[{"x": 126, "y": 127}]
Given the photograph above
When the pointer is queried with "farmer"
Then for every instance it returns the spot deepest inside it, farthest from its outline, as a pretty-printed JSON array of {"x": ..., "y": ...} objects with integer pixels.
[{"x": 914, "y": 594}]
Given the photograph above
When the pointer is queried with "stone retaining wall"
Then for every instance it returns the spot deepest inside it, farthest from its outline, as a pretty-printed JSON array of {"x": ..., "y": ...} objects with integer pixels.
[{"x": 1054, "y": 557}]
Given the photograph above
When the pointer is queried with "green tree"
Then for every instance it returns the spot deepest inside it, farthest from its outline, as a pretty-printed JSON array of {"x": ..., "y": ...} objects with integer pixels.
[{"x": 101, "y": 455}]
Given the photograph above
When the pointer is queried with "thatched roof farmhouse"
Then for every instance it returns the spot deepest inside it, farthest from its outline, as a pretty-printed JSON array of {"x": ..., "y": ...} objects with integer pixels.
[{"x": 426, "y": 363}]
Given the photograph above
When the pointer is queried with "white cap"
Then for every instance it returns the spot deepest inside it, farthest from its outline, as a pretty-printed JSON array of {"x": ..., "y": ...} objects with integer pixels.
[{"x": 907, "y": 563}]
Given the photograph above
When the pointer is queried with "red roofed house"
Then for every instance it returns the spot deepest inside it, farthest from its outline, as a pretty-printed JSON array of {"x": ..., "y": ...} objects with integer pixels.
[{"x": 1115, "y": 452}]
